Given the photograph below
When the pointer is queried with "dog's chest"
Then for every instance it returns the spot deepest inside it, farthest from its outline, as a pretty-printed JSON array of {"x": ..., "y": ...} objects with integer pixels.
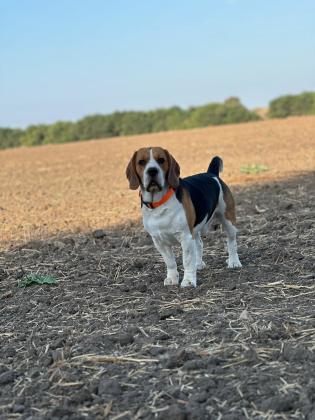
[{"x": 167, "y": 222}]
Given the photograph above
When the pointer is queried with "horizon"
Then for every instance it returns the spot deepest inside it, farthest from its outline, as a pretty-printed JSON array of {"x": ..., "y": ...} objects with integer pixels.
[
  {"x": 65, "y": 61},
  {"x": 136, "y": 111},
  {"x": 256, "y": 108}
]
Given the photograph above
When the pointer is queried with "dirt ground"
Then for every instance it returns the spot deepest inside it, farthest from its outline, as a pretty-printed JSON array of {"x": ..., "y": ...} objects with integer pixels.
[
  {"x": 110, "y": 341},
  {"x": 81, "y": 186}
]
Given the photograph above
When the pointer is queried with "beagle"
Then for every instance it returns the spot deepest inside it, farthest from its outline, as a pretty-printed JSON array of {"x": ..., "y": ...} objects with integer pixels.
[{"x": 178, "y": 209}]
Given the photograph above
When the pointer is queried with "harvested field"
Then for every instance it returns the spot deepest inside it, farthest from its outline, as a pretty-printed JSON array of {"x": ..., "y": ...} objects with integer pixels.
[
  {"x": 79, "y": 187},
  {"x": 109, "y": 340}
]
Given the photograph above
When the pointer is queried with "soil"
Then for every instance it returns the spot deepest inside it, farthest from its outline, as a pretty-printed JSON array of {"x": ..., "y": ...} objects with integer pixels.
[
  {"x": 82, "y": 186},
  {"x": 110, "y": 341}
]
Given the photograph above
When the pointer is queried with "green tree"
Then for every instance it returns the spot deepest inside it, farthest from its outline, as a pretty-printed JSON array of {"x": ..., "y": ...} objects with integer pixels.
[
  {"x": 167, "y": 119},
  {"x": 284, "y": 106},
  {"x": 34, "y": 135},
  {"x": 60, "y": 132},
  {"x": 231, "y": 111},
  {"x": 233, "y": 102},
  {"x": 135, "y": 123},
  {"x": 95, "y": 127},
  {"x": 10, "y": 137}
]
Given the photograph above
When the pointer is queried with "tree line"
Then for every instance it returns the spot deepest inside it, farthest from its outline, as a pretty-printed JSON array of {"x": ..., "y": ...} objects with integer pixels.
[
  {"x": 131, "y": 122},
  {"x": 289, "y": 105}
]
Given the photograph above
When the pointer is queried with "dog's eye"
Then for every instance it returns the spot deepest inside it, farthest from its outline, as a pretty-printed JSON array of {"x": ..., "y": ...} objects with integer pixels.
[
  {"x": 141, "y": 162},
  {"x": 161, "y": 160}
]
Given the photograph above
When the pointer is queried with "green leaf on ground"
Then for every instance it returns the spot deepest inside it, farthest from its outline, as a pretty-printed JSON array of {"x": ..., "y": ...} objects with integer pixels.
[
  {"x": 254, "y": 169},
  {"x": 31, "y": 279}
]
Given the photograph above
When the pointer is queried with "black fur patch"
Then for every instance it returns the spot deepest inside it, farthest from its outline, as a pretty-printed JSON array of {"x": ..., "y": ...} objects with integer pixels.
[
  {"x": 216, "y": 166},
  {"x": 204, "y": 193}
]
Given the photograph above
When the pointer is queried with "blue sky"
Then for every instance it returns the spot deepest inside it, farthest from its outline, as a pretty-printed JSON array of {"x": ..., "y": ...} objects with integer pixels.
[{"x": 64, "y": 59}]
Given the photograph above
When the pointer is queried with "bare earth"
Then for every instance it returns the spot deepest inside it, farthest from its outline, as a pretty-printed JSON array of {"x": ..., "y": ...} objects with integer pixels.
[
  {"x": 108, "y": 340},
  {"x": 81, "y": 186}
]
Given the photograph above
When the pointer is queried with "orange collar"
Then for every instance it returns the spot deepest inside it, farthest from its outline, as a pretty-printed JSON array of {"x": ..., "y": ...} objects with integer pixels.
[{"x": 163, "y": 200}]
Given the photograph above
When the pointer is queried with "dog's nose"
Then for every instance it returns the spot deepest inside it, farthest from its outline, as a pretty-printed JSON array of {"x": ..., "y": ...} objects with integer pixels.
[{"x": 152, "y": 171}]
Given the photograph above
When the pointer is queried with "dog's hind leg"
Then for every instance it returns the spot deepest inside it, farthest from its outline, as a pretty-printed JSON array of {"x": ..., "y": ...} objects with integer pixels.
[
  {"x": 233, "y": 260},
  {"x": 228, "y": 218},
  {"x": 169, "y": 259}
]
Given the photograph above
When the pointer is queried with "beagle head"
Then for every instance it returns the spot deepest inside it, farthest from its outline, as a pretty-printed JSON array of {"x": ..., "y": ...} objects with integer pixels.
[{"x": 152, "y": 168}]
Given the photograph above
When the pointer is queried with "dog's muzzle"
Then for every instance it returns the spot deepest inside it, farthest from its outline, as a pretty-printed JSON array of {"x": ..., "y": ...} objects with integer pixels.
[{"x": 153, "y": 185}]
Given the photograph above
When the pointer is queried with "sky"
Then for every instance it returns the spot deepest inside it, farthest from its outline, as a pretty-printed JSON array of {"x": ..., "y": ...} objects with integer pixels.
[{"x": 65, "y": 59}]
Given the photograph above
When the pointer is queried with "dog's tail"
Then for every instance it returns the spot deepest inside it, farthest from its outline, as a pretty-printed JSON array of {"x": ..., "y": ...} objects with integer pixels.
[{"x": 216, "y": 166}]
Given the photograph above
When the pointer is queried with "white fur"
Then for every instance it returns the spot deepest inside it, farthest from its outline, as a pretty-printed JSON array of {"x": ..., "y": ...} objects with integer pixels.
[
  {"x": 160, "y": 178},
  {"x": 167, "y": 224},
  {"x": 233, "y": 260}
]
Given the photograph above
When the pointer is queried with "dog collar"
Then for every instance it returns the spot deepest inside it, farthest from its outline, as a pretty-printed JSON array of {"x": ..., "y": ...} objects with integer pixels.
[{"x": 163, "y": 200}]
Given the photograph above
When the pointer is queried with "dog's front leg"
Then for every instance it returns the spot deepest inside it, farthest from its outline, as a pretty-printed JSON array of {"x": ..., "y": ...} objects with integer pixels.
[
  {"x": 189, "y": 261},
  {"x": 169, "y": 259}
]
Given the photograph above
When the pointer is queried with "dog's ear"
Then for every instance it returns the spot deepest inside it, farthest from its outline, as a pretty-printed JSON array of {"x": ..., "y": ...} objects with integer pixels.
[
  {"x": 131, "y": 173},
  {"x": 172, "y": 176}
]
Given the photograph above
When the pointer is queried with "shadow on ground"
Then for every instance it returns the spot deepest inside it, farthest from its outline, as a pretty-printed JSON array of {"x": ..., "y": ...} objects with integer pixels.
[{"x": 110, "y": 341}]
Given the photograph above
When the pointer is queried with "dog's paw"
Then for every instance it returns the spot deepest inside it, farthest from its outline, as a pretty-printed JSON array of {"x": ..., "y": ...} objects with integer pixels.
[
  {"x": 234, "y": 263},
  {"x": 188, "y": 282},
  {"x": 201, "y": 265},
  {"x": 171, "y": 281}
]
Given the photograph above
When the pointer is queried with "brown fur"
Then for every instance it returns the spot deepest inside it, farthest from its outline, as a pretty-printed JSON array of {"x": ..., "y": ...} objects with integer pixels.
[
  {"x": 189, "y": 210},
  {"x": 230, "y": 204},
  {"x": 131, "y": 173},
  {"x": 173, "y": 172},
  {"x": 134, "y": 171}
]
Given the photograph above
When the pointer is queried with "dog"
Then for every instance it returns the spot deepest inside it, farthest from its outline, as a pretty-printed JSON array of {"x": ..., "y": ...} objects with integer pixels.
[{"x": 179, "y": 210}]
